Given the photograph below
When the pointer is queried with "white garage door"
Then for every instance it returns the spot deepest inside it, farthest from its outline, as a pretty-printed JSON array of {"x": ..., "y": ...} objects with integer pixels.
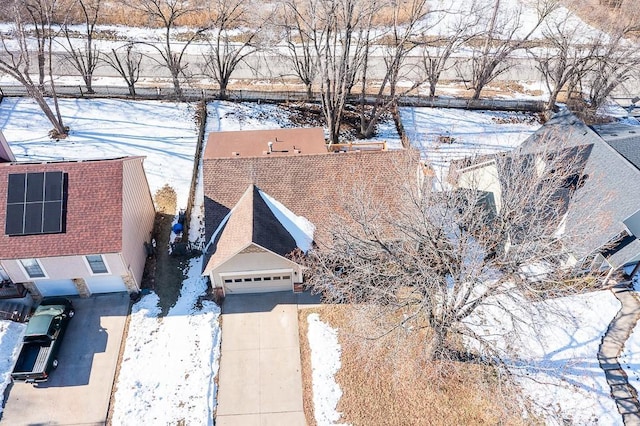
[
  {"x": 105, "y": 284},
  {"x": 258, "y": 282},
  {"x": 57, "y": 288}
]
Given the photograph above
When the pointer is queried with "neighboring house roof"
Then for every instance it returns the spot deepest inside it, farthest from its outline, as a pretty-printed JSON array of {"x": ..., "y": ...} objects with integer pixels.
[
  {"x": 93, "y": 213},
  {"x": 273, "y": 142},
  {"x": 250, "y": 222},
  {"x": 624, "y": 138},
  {"x": 312, "y": 186},
  {"x": 608, "y": 196}
]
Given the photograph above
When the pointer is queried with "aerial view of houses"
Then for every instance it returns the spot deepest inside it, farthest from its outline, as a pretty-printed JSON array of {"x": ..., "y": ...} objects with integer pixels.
[{"x": 310, "y": 212}]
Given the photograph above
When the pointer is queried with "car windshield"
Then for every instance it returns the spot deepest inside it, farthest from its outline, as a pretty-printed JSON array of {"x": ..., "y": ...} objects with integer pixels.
[{"x": 49, "y": 310}]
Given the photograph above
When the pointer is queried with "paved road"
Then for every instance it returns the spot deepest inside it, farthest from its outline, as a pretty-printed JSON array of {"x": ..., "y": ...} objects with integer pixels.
[
  {"x": 78, "y": 391},
  {"x": 260, "y": 380}
]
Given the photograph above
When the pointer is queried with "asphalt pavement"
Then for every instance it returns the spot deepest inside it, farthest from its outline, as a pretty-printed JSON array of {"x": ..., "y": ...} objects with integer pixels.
[{"x": 79, "y": 390}]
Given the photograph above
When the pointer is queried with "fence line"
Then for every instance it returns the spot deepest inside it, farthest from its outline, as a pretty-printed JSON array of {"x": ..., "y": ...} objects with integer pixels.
[{"x": 194, "y": 94}]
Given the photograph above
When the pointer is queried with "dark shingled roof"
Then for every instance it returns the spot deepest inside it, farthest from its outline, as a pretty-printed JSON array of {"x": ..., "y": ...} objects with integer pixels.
[
  {"x": 609, "y": 194},
  {"x": 251, "y": 222},
  {"x": 624, "y": 138}
]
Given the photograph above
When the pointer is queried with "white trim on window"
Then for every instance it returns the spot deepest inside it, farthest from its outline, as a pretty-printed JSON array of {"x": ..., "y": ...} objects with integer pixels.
[
  {"x": 35, "y": 263},
  {"x": 97, "y": 261}
]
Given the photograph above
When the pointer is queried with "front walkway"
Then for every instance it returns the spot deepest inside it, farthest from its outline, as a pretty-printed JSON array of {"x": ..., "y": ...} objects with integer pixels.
[
  {"x": 260, "y": 380},
  {"x": 612, "y": 344}
]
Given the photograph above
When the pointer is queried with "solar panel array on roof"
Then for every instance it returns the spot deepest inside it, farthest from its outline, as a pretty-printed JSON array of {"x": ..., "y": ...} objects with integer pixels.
[{"x": 35, "y": 203}]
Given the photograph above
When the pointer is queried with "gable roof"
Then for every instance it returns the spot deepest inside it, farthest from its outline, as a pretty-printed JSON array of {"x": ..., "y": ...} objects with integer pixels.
[
  {"x": 608, "y": 196},
  {"x": 270, "y": 142},
  {"x": 312, "y": 186},
  {"x": 250, "y": 222},
  {"x": 93, "y": 213}
]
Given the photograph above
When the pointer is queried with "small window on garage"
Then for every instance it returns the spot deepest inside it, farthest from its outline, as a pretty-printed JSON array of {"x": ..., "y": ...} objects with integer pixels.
[
  {"x": 238, "y": 280},
  {"x": 33, "y": 268},
  {"x": 267, "y": 278},
  {"x": 286, "y": 277},
  {"x": 97, "y": 264},
  {"x": 276, "y": 278},
  {"x": 228, "y": 281},
  {"x": 257, "y": 279},
  {"x": 247, "y": 280}
]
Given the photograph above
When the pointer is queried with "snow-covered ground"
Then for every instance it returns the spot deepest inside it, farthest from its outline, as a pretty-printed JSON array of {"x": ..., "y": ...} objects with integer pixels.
[
  {"x": 164, "y": 132},
  {"x": 555, "y": 361},
  {"x": 325, "y": 363},
  {"x": 168, "y": 369},
  {"x": 10, "y": 337},
  {"x": 444, "y": 135}
]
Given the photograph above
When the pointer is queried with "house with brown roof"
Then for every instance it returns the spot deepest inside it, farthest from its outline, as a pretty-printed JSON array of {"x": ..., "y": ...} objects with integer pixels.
[
  {"x": 74, "y": 227},
  {"x": 268, "y": 193}
]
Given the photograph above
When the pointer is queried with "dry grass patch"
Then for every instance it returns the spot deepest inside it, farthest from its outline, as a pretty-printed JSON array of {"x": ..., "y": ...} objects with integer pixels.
[{"x": 388, "y": 381}]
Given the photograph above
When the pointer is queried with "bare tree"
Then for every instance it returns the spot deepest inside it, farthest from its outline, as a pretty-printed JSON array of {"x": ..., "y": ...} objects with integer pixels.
[
  {"x": 39, "y": 14},
  {"x": 226, "y": 49},
  {"x": 565, "y": 58},
  {"x": 429, "y": 264},
  {"x": 501, "y": 39},
  {"x": 302, "y": 33},
  {"x": 15, "y": 58},
  {"x": 615, "y": 61},
  {"x": 437, "y": 53},
  {"x": 341, "y": 49},
  {"x": 407, "y": 22},
  {"x": 126, "y": 61},
  {"x": 167, "y": 14},
  {"x": 85, "y": 58}
]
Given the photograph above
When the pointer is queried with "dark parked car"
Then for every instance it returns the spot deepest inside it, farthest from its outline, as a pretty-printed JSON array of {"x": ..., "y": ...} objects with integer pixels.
[{"x": 42, "y": 339}]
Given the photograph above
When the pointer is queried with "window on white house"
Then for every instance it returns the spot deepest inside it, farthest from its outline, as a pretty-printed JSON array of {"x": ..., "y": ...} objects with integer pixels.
[
  {"x": 33, "y": 268},
  {"x": 97, "y": 264}
]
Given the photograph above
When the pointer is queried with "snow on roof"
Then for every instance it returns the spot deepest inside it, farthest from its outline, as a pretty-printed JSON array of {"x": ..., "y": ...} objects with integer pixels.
[{"x": 300, "y": 228}]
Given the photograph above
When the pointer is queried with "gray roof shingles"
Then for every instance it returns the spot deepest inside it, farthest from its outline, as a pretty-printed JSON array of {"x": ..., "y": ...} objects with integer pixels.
[{"x": 609, "y": 194}]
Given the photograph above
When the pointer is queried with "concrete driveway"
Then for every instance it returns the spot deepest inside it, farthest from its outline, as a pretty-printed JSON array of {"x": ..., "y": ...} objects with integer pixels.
[
  {"x": 260, "y": 380},
  {"x": 78, "y": 391}
]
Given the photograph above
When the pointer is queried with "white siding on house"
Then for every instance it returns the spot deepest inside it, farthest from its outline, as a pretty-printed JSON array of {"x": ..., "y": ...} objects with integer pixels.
[
  {"x": 483, "y": 177},
  {"x": 249, "y": 265},
  {"x": 65, "y": 267},
  {"x": 138, "y": 215}
]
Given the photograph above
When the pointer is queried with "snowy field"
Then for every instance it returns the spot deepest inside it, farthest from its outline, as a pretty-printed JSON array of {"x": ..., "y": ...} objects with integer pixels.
[
  {"x": 170, "y": 363},
  {"x": 443, "y": 135},
  {"x": 164, "y": 132},
  {"x": 555, "y": 362},
  {"x": 10, "y": 337}
]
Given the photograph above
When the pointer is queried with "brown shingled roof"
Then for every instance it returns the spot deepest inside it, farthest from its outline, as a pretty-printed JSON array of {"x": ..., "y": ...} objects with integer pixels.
[
  {"x": 251, "y": 221},
  {"x": 313, "y": 186},
  {"x": 93, "y": 211},
  {"x": 255, "y": 143}
]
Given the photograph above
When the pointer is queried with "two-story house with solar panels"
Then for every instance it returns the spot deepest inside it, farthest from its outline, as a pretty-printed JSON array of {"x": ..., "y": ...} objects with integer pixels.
[{"x": 73, "y": 227}]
